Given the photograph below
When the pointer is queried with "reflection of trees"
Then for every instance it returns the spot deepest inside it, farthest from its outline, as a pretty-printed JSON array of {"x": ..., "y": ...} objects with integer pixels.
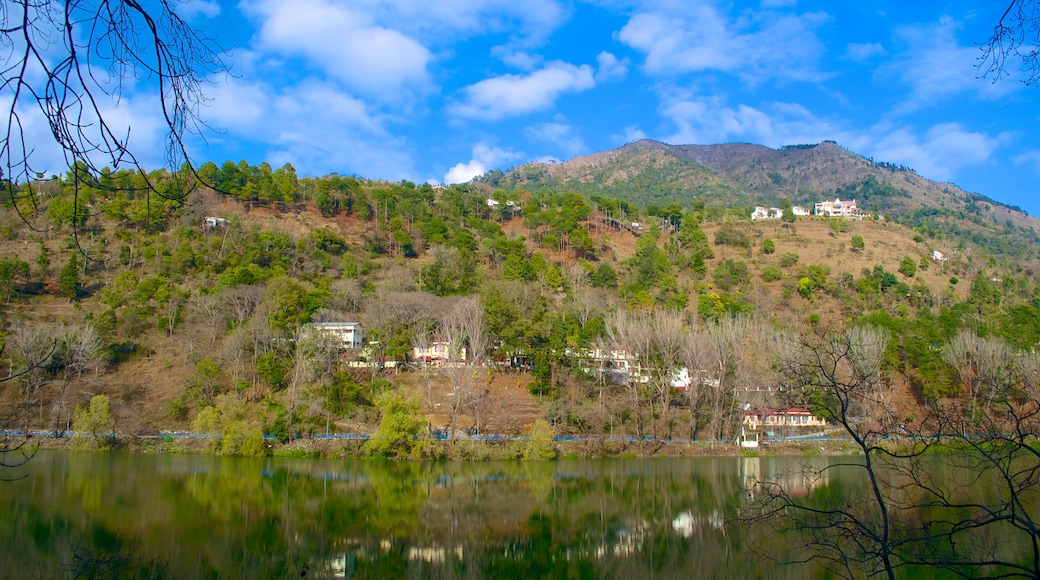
[{"x": 235, "y": 517}]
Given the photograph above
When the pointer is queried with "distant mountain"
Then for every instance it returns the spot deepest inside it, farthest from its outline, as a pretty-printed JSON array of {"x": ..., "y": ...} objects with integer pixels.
[{"x": 649, "y": 173}]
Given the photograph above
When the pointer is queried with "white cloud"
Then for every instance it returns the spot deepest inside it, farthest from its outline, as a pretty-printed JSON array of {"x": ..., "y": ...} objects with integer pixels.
[
  {"x": 511, "y": 95},
  {"x": 190, "y": 10},
  {"x": 558, "y": 134},
  {"x": 344, "y": 43},
  {"x": 860, "y": 52},
  {"x": 683, "y": 38},
  {"x": 313, "y": 124},
  {"x": 704, "y": 120},
  {"x": 610, "y": 68},
  {"x": 529, "y": 22},
  {"x": 630, "y": 134},
  {"x": 484, "y": 158},
  {"x": 1029, "y": 159},
  {"x": 938, "y": 153},
  {"x": 936, "y": 67}
]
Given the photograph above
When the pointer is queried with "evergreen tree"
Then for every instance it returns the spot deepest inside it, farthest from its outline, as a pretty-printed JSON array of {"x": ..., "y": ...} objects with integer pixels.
[{"x": 68, "y": 281}]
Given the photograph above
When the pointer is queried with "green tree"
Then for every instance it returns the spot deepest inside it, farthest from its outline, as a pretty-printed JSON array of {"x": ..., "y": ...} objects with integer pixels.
[
  {"x": 95, "y": 426},
  {"x": 539, "y": 445},
  {"x": 12, "y": 271},
  {"x": 400, "y": 428},
  {"x": 908, "y": 267},
  {"x": 857, "y": 242},
  {"x": 768, "y": 247},
  {"x": 68, "y": 280}
]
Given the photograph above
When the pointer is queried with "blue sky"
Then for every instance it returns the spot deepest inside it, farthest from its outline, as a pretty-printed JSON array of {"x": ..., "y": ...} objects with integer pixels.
[{"x": 441, "y": 91}]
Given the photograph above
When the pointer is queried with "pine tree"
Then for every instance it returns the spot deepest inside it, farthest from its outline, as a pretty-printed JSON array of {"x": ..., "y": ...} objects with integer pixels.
[{"x": 68, "y": 281}]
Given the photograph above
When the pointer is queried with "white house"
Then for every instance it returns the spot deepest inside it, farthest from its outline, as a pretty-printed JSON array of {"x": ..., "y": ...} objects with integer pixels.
[
  {"x": 438, "y": 350},
  {"x": 837, "y": 208},
  {"x": 799, "y": 211},
  {"x": 349, "y": 334},
  {"x": 938, "y": 256},
  {"x": 790, "y": 417},
  {"x": 761, "y": 213},
  {"x": 216, "y": 222}
]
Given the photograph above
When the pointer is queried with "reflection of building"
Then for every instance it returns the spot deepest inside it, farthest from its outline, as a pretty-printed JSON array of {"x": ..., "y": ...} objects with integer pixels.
[
  {"x": 791, "y": 417},
  {"x": 348, "y": 334}
]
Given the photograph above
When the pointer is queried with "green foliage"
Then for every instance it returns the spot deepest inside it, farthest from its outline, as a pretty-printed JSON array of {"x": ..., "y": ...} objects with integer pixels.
[
  {"x": 857, "y": 243},
  {"x": 768, "y": 246},
  {"x": 730, "y": 236},
  {"x": 788, "y": 259},
  {"x": 604, "y": 276},
  {"x": 731, "y": 273},
  {"x": 68, "y": 280},
  {"x": 401, "y": 429},
  {"x": 344, "y": 394},
  {"x": 908, "y": 267},
  {"x": 538, "y": 446},
  {"x": 771, "y": 274},
  {"x": 806, "y": 287},
  {"x": 235, "y": 428},
  {"x": 719, "y": 305},
  {"x": 95, "y": 426},
  {"x": 12, "y": 272}
]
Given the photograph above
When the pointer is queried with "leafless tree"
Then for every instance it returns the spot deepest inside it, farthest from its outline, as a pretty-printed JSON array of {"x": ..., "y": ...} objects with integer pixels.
[
  {"x": 313, "y": 354},
  {"x": 656, "y": 341},
  {"x": 464, "y": 329},
  {"x": 68, "y": 63},
  {"x": 967, "y": 510},
  {"x": 725, "y": 339},
  {"x": 78, "y": 351},
  {"x": 981, "y": 365},
  {"x": 34, "y": 346},
  {"x": 1016, "y": 37}
]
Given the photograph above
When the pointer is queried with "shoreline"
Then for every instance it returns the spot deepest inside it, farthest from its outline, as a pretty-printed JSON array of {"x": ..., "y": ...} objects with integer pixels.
[{"x": 458, "y": 450}]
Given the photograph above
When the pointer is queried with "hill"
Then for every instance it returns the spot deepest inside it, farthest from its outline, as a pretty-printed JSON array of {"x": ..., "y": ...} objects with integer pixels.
[
  {"x": 194, "y": 324},
  {"x": 741, "y": 175}
]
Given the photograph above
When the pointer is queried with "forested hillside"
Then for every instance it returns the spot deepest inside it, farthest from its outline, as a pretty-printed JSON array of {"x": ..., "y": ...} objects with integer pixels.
[
  {"x": 740, "y": 176},
  {"x": 115, "y": 284}
]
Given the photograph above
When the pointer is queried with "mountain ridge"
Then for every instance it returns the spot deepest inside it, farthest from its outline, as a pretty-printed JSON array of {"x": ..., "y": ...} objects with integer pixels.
[{"x": 744, "y": 175}]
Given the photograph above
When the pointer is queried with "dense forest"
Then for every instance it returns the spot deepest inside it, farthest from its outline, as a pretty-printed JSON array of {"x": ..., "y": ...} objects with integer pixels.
[{"x": 118, "y": 291}]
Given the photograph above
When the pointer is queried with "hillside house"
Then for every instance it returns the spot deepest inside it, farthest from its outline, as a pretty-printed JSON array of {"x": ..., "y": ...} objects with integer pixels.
[
  {"x": 215, "y": 222},
  {"x": 775, "y": 213},
  {"x": 437, "y": 351},
  {"x": 774, "y": 418},
  {"x": 350, "y": 335},
  {"x": 837, "y": 208}
]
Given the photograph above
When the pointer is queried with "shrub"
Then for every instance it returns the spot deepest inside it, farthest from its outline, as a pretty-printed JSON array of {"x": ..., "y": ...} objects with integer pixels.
[
  {"x": 731, "y": 273},
  {"x": 768, "y": 247},
  {"x": 771, "y": 274},
  {"x": 787, "y": 260},
  {"x": 95, "y": 426},
  {"x": 539, "y": 445},
  {"x": 732, "y": 237},
  {"x": 857, "y": 243},
  {"x": 908, "y": 267},
  {"x": 398, "y": 433}
]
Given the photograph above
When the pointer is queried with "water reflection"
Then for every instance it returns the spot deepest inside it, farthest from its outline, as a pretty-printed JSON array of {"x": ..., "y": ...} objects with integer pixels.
[{"x": 231, "y": 517}]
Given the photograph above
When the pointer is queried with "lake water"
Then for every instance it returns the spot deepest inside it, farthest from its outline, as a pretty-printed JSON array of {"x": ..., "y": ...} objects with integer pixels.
[{"x": 216, "y": 517}]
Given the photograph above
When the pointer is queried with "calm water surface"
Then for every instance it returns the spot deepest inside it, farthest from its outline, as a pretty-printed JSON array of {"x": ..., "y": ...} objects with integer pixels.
[{"x": 212, "y": 517}]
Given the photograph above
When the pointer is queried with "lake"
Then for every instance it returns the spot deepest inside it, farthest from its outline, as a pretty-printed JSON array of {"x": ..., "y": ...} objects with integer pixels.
[{"x": 220, "y": 517}]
